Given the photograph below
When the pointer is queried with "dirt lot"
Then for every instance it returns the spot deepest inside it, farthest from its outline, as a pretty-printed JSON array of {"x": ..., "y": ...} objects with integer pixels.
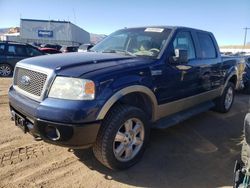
[{"x": 199, "y": 152}]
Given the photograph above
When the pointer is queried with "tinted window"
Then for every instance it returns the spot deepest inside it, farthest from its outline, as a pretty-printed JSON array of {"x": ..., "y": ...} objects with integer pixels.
[
  {"x": 72, "y": 49},
  {"x": 17, "y": 50},
  {"x": 33, "y": 51},
  {"x": 207, "y": 46},
  {"x": 183, "y": 41},
  {"x": 1, "y": 49},
  {"x": 248, "y": 60}
]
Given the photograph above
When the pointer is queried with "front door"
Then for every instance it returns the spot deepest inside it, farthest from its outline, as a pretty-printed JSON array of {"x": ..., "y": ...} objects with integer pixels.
[
  {"x": 178, "y": 81},
  {"x": 15, "y": 53}
]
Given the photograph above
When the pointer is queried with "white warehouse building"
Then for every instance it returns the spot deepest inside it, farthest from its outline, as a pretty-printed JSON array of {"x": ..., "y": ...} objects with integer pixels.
[{"x": 52, "y": 32}]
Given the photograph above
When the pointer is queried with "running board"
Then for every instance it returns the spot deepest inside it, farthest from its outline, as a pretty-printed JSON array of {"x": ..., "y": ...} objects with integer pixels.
[{"x": 183, "y": 115}]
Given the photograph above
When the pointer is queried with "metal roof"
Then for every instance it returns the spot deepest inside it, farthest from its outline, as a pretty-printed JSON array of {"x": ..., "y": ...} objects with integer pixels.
[{"x": 55, "y": 21}]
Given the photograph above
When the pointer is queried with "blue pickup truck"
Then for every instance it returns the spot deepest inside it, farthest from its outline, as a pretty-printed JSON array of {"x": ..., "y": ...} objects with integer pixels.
[{"x": 110, "y": 97}]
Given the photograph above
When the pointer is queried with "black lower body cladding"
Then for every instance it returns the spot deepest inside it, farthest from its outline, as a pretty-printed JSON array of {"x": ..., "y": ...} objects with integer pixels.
[{"x": 68, "y": 135}]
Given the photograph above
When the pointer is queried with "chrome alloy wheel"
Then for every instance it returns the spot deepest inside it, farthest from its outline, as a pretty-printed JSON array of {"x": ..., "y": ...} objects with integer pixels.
[
  {"x": 128, "y": 140},
  {"x": 5, "y": 70},
  {"x": 229, "y": 98}
]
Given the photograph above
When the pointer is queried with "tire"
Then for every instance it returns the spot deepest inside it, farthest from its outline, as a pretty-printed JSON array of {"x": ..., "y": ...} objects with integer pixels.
[
  {"x": 245, "y": 152},
  {"x": 224, "y": 103},
  {"x": 5, "y": 70},
  {"x": 110, "y": 150}
]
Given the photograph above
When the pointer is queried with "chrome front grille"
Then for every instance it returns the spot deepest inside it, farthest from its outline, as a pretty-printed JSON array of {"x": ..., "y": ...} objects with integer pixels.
[{"x": 30, "y": 81}]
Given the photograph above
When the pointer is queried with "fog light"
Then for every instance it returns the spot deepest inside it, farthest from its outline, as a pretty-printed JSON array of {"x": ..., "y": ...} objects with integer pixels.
[{"x": 52, "y": 133}]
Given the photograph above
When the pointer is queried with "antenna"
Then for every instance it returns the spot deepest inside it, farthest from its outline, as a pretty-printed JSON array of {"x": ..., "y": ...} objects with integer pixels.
[{"x": 74, "y": 15}]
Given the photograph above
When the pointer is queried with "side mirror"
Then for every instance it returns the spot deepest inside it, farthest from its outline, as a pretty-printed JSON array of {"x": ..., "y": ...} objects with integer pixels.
[{"x": 181, "y": 56}]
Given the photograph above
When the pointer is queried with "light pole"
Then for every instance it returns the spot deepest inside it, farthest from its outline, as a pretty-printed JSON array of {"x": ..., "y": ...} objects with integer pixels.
[{"x": 245, "y": 37}]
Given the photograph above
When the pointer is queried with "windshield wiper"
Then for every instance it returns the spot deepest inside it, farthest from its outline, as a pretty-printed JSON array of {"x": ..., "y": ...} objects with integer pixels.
[{"x": 119, "y": 51}]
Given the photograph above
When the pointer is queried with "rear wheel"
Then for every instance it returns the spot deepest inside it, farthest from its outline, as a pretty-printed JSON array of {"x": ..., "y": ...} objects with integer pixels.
[
  {"x": 5, "y": 70},
  {"x": 225, "y": 101},
  {"x": 122, "y": 137}
]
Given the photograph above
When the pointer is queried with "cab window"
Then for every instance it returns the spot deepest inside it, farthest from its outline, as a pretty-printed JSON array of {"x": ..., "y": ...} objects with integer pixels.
[
  {"x": 207, "y": 46},
  {"x": 17, "y": 50},
  {"x": 183, "y": 41},
  {"x": 2, "y": 46}
]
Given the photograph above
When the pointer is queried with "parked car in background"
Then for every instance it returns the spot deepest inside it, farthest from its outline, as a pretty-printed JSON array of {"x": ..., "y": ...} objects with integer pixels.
[
  {"x": 246, "y": 77},
  {"x": 228, "y": 53},
  {"x": 12, "y": 52},
  {"x": 85, "y": 47},
  {"x": 243, "y": 71},
  {"x": 66, "y": 49},
  {"x": 36, "y": 44},
  {"x": 55, "y": 46},
  {"x": 50, "y": 50}
]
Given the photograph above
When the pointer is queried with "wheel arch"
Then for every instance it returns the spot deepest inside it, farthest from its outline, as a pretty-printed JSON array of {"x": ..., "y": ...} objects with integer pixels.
[
  {"x": 7, "y": 63},
  {"x": 232, "y": 77},
  {"x": 143, "y": 92}
]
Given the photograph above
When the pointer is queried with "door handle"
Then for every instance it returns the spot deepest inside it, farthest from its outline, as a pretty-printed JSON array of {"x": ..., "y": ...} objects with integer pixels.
[
  {"x": 182, "y": 75},
  {"x": 183, "y": 67}
]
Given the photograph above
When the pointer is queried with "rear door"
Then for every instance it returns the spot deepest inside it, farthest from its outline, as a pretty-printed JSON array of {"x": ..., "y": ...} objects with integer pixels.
[
  {"x": 15, "y": 53},
  {"x": 2, "y": 53},
  {"x": 209, "y": 62}
]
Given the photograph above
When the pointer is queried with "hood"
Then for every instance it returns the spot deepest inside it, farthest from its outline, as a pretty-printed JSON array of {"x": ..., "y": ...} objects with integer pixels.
[{"x": 76, "y": 64}]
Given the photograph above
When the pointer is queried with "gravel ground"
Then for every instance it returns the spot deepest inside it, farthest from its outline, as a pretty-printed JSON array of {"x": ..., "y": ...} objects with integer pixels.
[{"x": 199, "y": 152}]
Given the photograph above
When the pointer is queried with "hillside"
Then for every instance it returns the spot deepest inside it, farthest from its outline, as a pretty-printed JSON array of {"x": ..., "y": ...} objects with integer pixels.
[
  {"x": 4, "y": 30},
  {"x": 95, "y": 38}
]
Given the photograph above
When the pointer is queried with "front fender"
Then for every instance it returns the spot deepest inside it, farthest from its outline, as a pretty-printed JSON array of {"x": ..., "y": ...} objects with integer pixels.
[{"x": 130, "y": 89}]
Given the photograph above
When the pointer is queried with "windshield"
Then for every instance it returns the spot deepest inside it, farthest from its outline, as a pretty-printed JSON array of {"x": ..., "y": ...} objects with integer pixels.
[{"x": 134, "y": 42}]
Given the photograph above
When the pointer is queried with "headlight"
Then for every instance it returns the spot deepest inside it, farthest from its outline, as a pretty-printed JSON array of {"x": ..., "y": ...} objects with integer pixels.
[{"x": 72, "y": 89}]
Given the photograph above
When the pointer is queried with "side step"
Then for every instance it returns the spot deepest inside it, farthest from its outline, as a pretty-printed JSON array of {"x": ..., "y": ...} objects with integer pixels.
[{"x": 183, "y": 115}]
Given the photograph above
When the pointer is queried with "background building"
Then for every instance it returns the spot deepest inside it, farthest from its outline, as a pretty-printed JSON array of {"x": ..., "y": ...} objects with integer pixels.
[{"x": 48, "y": 32}]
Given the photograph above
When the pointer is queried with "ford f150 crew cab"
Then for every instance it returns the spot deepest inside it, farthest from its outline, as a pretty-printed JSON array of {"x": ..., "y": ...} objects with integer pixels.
[{"x": 110, "y": 97}]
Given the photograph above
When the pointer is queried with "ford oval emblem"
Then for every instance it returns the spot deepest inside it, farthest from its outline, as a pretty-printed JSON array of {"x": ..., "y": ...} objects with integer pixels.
[{"x": 25, "y": 80}]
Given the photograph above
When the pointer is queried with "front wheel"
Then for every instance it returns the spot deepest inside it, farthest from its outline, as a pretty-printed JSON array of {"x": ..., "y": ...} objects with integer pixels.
[{"x": 122, "y": 137}]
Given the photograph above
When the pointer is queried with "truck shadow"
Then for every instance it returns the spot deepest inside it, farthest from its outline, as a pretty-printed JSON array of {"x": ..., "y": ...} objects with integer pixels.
[{"x": 199, "y": 152}]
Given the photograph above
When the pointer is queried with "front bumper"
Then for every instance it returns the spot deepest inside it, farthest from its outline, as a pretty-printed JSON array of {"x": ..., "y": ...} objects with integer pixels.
[{"x": 61, "y": 125}]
